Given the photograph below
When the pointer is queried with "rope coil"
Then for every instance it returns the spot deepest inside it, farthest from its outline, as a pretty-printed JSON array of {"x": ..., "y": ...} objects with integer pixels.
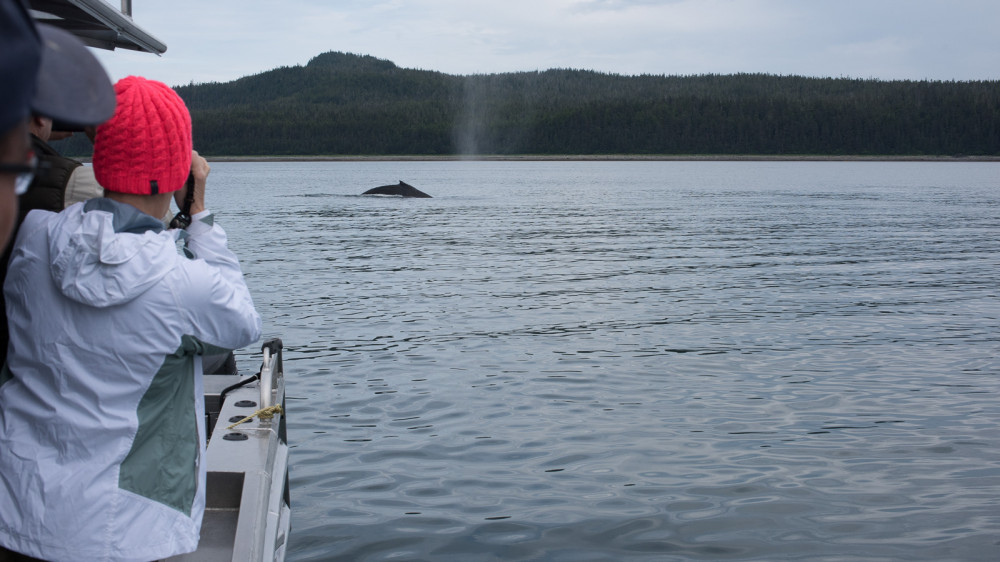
[{"x": 264, "y": 414}]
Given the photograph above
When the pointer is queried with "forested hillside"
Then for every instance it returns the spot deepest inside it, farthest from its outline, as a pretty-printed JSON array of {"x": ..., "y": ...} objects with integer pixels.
[{"x": 342, "y": 104}]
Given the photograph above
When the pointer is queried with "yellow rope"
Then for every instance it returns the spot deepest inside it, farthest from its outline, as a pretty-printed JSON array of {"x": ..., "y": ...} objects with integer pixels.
[{"x": 265, "y": 414}]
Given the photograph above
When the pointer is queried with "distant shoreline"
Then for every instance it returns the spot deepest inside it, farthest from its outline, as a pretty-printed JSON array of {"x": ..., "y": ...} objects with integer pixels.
[{"x": 606, "y": 157}]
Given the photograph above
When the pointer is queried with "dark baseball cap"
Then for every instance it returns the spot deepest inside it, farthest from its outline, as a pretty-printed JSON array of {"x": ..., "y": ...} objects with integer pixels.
[
  {"x": 21, "y": 50},
  {"x": 49, "y": 72},
  {"x": 72, "y": 88}
]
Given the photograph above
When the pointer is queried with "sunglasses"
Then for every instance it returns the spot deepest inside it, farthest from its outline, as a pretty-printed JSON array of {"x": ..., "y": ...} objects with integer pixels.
[{"x": 25, "y": 173}]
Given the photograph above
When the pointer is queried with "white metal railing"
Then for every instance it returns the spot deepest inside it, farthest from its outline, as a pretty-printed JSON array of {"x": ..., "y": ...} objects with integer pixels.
[{"x": 266, "y": 379}]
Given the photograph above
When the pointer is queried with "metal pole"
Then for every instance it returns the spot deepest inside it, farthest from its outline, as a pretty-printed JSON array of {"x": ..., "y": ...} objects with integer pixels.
[{"x": 127, "y": 7}]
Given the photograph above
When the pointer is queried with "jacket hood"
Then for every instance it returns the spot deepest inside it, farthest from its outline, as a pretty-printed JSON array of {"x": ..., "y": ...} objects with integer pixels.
[{"x": 106, "y": 253}]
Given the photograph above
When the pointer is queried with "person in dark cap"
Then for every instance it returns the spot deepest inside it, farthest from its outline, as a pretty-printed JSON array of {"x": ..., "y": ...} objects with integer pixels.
[
  {"x": 22, "y": 52},
  {"x": 51, "y": 74},
  {"x": 48, "y": 190}
]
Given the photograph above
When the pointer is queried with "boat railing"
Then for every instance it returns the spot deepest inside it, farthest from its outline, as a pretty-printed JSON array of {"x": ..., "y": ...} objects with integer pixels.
[{"x": 269, "y": 370}]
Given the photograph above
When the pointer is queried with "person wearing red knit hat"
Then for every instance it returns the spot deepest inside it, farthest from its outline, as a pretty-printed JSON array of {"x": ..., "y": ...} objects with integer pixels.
[{"x": 101, "y": 399}]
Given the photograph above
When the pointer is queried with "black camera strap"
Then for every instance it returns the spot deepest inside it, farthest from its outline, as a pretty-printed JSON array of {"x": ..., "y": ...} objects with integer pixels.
[{"x": 183, "y": 218}]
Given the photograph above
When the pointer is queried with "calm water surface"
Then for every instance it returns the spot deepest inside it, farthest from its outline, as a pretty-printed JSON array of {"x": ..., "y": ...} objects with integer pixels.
[{"x": 632, "y": 360}]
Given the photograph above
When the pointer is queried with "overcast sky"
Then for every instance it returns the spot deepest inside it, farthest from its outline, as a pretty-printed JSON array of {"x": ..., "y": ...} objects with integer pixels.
[{"x": 221, "y": 40}]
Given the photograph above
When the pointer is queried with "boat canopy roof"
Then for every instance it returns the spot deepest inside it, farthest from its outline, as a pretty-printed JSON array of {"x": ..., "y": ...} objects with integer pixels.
[{"x": 97, "y": 24}]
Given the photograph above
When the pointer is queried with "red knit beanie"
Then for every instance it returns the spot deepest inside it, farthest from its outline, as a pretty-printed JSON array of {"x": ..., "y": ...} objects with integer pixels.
[{"x": 146, "y": 146}]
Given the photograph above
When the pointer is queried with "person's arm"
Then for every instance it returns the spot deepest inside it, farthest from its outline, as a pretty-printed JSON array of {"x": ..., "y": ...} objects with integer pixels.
[
  {"x": 221, "y": 298},
  {"x": 216, "y": 301}
]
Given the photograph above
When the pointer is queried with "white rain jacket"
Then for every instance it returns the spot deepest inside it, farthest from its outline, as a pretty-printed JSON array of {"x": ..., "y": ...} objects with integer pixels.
[{"x": 101, "y": 405}]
